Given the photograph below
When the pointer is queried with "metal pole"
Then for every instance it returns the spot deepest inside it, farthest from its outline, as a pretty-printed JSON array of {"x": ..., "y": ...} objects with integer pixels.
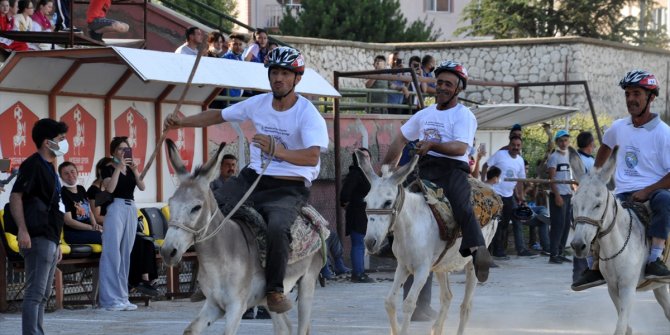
[
  {"x": 593, "y": 113},
  {"x": 336, "y": 138}
]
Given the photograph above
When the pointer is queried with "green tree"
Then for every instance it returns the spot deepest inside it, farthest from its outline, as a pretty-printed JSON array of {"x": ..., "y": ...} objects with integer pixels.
[
  {"x": 367, "y": 21},
  {"x": 205, "y": 11}
]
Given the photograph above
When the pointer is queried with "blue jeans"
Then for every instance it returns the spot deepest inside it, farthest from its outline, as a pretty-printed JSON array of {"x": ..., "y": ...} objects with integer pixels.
[
  {"x": 659, "y": 201},
  {"x": 542, "y": 226},
  {"x": 560, "y": 224},
  {"x": 40, "y": 262},
  {"x": 357, "y": 253},
  {"x": 500, "y": 238}
]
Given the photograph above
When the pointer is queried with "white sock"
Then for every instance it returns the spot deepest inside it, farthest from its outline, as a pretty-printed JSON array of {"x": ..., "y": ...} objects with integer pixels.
[{"x": 655, "y": 253}]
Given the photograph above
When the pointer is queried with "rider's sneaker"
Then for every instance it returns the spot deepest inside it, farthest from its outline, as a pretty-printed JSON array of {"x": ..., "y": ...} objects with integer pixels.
[
  {"x": 590, "y": 278},
  {"x": 482, "y": 262},
  {"x": 656, "y": 270},
  {"x": 278, "y": 302}
]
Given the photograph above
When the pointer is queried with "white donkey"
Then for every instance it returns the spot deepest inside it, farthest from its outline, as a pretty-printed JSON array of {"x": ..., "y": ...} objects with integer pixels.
[
  {"x": 416, "y": 245},
  {"x": 230, "y": 273},
  {"x": 598, "y": 215}
]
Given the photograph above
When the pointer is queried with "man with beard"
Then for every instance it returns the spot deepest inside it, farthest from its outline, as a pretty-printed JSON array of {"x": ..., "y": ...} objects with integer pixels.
[
  {"x": 290, "y": 136},
  {"x": 445, "y": 132},
  {"x": 511, "y": 165}
]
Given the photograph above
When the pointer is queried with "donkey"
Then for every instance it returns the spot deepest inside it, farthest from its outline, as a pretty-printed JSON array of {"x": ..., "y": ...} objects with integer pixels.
[
  {"x": 416, "y": 245},
  {"x": 230, "y": 273},
  {"x": 598, "y": 215}
]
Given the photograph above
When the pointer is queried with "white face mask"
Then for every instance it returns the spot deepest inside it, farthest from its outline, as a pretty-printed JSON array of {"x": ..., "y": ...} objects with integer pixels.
[
  {"x": 68, "y": 185},
  {"x": 62, "y": 147}
]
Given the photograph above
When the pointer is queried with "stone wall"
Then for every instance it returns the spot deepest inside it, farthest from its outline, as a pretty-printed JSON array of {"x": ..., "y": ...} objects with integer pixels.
[{"x": 600, "y": 63}]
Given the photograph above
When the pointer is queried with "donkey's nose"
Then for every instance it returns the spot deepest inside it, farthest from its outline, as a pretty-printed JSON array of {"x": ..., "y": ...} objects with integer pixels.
[{"x": 578, "y": 245}]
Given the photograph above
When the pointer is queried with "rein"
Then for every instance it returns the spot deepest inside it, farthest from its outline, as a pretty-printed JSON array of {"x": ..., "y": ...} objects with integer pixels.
[
  {"x": 393, "y": 211},
  {"x": 196, "y": 233}
]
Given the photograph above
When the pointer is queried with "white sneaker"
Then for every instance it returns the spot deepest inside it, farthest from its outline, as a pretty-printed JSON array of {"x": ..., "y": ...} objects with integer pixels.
[
  {"x": 117, "y": 307},
  {"x": 129, "y": 307}
]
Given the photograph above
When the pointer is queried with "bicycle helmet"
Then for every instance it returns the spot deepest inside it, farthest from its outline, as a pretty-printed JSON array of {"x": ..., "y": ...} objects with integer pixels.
[
  {"x": 523, "y": 213},
  {"x": 640, "y": 78},
  {"x": 454, "y": 67},
  {"x": 286, "y": 58}
]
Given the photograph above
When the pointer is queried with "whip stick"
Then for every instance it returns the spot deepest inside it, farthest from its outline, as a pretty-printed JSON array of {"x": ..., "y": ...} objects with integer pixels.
[{"x": 176, "y": 109}]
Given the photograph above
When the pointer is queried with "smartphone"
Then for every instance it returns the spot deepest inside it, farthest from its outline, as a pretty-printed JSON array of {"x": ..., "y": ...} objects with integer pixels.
[
  {"x": 482, "y": 146},
  {"x": 5, "y": 164},
  {"x": 127, "y": 152}
]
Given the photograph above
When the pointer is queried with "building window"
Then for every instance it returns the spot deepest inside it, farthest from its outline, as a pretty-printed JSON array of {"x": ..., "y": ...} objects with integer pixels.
[
  {"x": 660, "y": 16},
  {"x": 440, "y": 6}
]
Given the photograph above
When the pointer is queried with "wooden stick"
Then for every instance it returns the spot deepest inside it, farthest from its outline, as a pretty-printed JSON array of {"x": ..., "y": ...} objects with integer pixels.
[
  {"x": 176, "y": 109},
  {"x": 542, "y": 181}
]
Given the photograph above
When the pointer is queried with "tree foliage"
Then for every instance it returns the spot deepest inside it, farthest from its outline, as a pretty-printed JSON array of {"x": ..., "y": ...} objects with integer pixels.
[
  {"x": 364, "y": 20},
  {"x": 206, "y": 15},
  {"x": 600, "y": 19}
]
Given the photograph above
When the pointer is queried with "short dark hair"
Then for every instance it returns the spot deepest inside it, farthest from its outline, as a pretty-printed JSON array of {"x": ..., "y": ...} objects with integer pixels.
[
  {"x": 101, "y": 165},
  {"x": 258, "y": 32},
  {"x": 381, "y": 58},
  {"x": 426, "y": 59},
  {"x": 414, "y": 59},
  {"x": 23, "y": 4},
  {"x": 116, "y": 142},
  {"x": 515, "y": 137},
  {"x": 214, "y": 36},
  {"x": 46, "y": 129},
  {"x": 584, "y": 139},
  {"x": 64, "y": 165},
  {"x": 493, "y": 172},
  {"x": 228, "y": 156},
  {"x": 190, "y": 31},
  {"x": 238, "y": 36}
]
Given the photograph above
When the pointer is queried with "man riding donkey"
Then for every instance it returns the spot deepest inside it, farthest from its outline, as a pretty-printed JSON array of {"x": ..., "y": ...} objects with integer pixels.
[
  {"x": 642, "y": 170},
  {"x": 445, "y": 132},
  {"x": 290, "y": 136}
]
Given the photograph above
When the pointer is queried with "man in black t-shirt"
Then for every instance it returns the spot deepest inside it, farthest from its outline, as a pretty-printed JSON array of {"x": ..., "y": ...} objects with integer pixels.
[{"x": 34, "y": 206}]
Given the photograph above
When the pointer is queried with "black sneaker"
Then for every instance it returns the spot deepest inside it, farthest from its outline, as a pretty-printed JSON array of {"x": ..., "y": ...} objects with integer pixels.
[
  {"x": 526, "y": 253},
  {"x": 94, "y": 35},
  {"x": 555, "y": 260},
  {"x": 482, "y": 261},
  {"x": 656, "y": 270},
  {"x": 248, "y": 315},
  {"x": 362, "y": 278},
  {"x": 564, "y": 259},
  {"x": 146, "y": 289},
  {"x": 262, "y": 313},
  {"x": 545, "y": 253},
  {"x": 590, "y": 278}
]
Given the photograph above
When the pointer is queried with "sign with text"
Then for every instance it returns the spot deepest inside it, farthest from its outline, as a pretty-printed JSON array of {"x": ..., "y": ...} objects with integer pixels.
[
  {"x": 81, "y": 137},
  {"x": 16, "y": 124},
  {"x": 133, "y": 125}
]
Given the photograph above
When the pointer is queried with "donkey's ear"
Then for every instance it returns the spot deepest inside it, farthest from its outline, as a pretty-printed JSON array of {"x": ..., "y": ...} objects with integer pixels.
[
  {"x": 607, "y": 170},
  {"x": 401, "y": 174},
  {"x": 578, "y": 170},
  {"x": 366, "y": 167},
  {"x": 210, "y": 170},
  {"x": 175, "y": 159}
]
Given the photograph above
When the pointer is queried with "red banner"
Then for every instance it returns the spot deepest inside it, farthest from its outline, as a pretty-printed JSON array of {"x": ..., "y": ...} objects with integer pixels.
[
  {"x": 134, "y": 125},
  {"x": 81, "y": 137},
  {"x": 16, "y": 124},
  {"x": 184, "y": 139}
]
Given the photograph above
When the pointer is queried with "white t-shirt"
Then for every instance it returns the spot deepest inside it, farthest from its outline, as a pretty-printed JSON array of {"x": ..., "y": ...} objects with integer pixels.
[
  {"x": 299, "y": 127},
  {"x": 184, "y": 49},
  {"x": 253, "y": 49},
  {"x": 441, "y": 126},
  {"x": 509, "y": 168},
  {"x": 644, "y": 153}
]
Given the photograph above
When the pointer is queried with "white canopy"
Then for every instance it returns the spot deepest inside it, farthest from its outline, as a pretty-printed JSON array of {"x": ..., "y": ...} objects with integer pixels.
[{"x": 503, "y": 116}]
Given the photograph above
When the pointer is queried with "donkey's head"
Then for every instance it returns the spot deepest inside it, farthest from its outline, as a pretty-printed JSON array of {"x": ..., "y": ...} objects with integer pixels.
[
  {"x": 382, "y": 200},
  {"x": 191, "y": 206},
  {"x": 593, "y": 203}
]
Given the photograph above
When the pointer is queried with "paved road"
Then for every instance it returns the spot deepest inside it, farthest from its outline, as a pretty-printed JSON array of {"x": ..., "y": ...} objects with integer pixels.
[{"x": 522, "y": 296}]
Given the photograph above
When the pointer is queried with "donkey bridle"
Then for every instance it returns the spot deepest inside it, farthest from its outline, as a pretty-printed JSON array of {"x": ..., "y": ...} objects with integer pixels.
[
  {"x": 599, "y": 224},
  {"x": 393, "y": 211}
]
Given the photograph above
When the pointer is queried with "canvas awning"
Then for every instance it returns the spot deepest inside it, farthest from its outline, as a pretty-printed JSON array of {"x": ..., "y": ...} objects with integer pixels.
[
  {"x": 503, "y": 116},
  {"x": 135, "y": 74}
]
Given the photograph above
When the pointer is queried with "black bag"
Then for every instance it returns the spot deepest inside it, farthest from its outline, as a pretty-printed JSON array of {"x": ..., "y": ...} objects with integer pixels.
[
  {"x": 103, "y": 198},
  {"x": 35, "y": 212}
]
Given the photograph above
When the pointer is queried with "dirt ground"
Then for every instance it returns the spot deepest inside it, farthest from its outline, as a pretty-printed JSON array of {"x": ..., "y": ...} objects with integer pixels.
[{"x": 522, "y": 296}]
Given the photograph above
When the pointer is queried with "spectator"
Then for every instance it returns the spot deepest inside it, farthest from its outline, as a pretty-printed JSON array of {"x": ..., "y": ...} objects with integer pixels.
[
  {"x": 8, "y": 10},
  {"x": 393, "y": 58},
  {"x": 98, "y": 23},
  {"x": 427, "y": 67},
  {"x": 257, "y": 51},
  {"x": 80, "y": 224},
  {"x": 335, "y": 259},
  {"x": 379, "y": 63},
  {"x": 22, "y": 21},
  {"x": 585, "y": 145},
  {"x": 119, "y": 178},
  {"x": 227, "y": 170},
  {"x": 41, "y": 16},
  {"x": 216, "y": 45},
  {"x": 96, "y": 187},
  {"x": 63, "y": 16},
  {"x": 475, "y": 158},
  {"x": 355, "y": 188},
  {"x": 511, "y": 164},
  {"x": 271, "y": 46},
  {"x": 493, "y": 176},
  {"x": 398, "y": 85},
  {"x": 193, "y": 38},
  {"x": 235, "y": 48},
  {"x": 558, "y": 167},
  {"x": 415, "y": 64},
  {"x": 514, "y": 131},
  {"x": 34, "y": 207}
]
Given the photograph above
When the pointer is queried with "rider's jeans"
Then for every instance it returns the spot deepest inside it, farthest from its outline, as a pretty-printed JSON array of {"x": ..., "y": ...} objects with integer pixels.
[{"x": 659, "y": 201}]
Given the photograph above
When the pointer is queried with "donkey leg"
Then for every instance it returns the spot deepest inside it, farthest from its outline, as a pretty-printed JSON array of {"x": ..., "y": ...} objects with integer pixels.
[
  {"x": 281, "y": 325},
  {"x": 626, "y": 297},
  {"x": 408, "y": 306},
  {"x": 466, "y": 305},
  {"x": 445, "y": 302},
  {"x": 233, "y": 318},
  {"x": 306, "y": 288},
  {"x": 209, "y": 313},
  {"x": 400, "y": 277},
  {"x": 662, "y": 295}
]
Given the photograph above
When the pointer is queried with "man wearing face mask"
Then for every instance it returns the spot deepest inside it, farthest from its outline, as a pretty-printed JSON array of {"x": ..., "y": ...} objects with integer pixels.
[{"x": 34, "y": 206}]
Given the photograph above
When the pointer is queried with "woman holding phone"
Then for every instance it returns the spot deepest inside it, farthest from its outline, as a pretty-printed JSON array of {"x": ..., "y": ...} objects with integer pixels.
[{"x": 120, "y": 179}]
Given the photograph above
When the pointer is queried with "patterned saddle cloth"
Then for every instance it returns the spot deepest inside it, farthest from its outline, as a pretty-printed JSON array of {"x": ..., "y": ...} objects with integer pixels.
[
  {"x": 486, "y": 205},
  {"x": 643, "y": 213},
  {"x": 308, "y": 232}
]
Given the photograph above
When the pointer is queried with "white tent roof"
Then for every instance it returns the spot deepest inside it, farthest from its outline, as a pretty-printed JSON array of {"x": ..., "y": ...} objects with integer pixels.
[
  {"x": 503, "y": 116},
  {"x": 96, "y": 72}
]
